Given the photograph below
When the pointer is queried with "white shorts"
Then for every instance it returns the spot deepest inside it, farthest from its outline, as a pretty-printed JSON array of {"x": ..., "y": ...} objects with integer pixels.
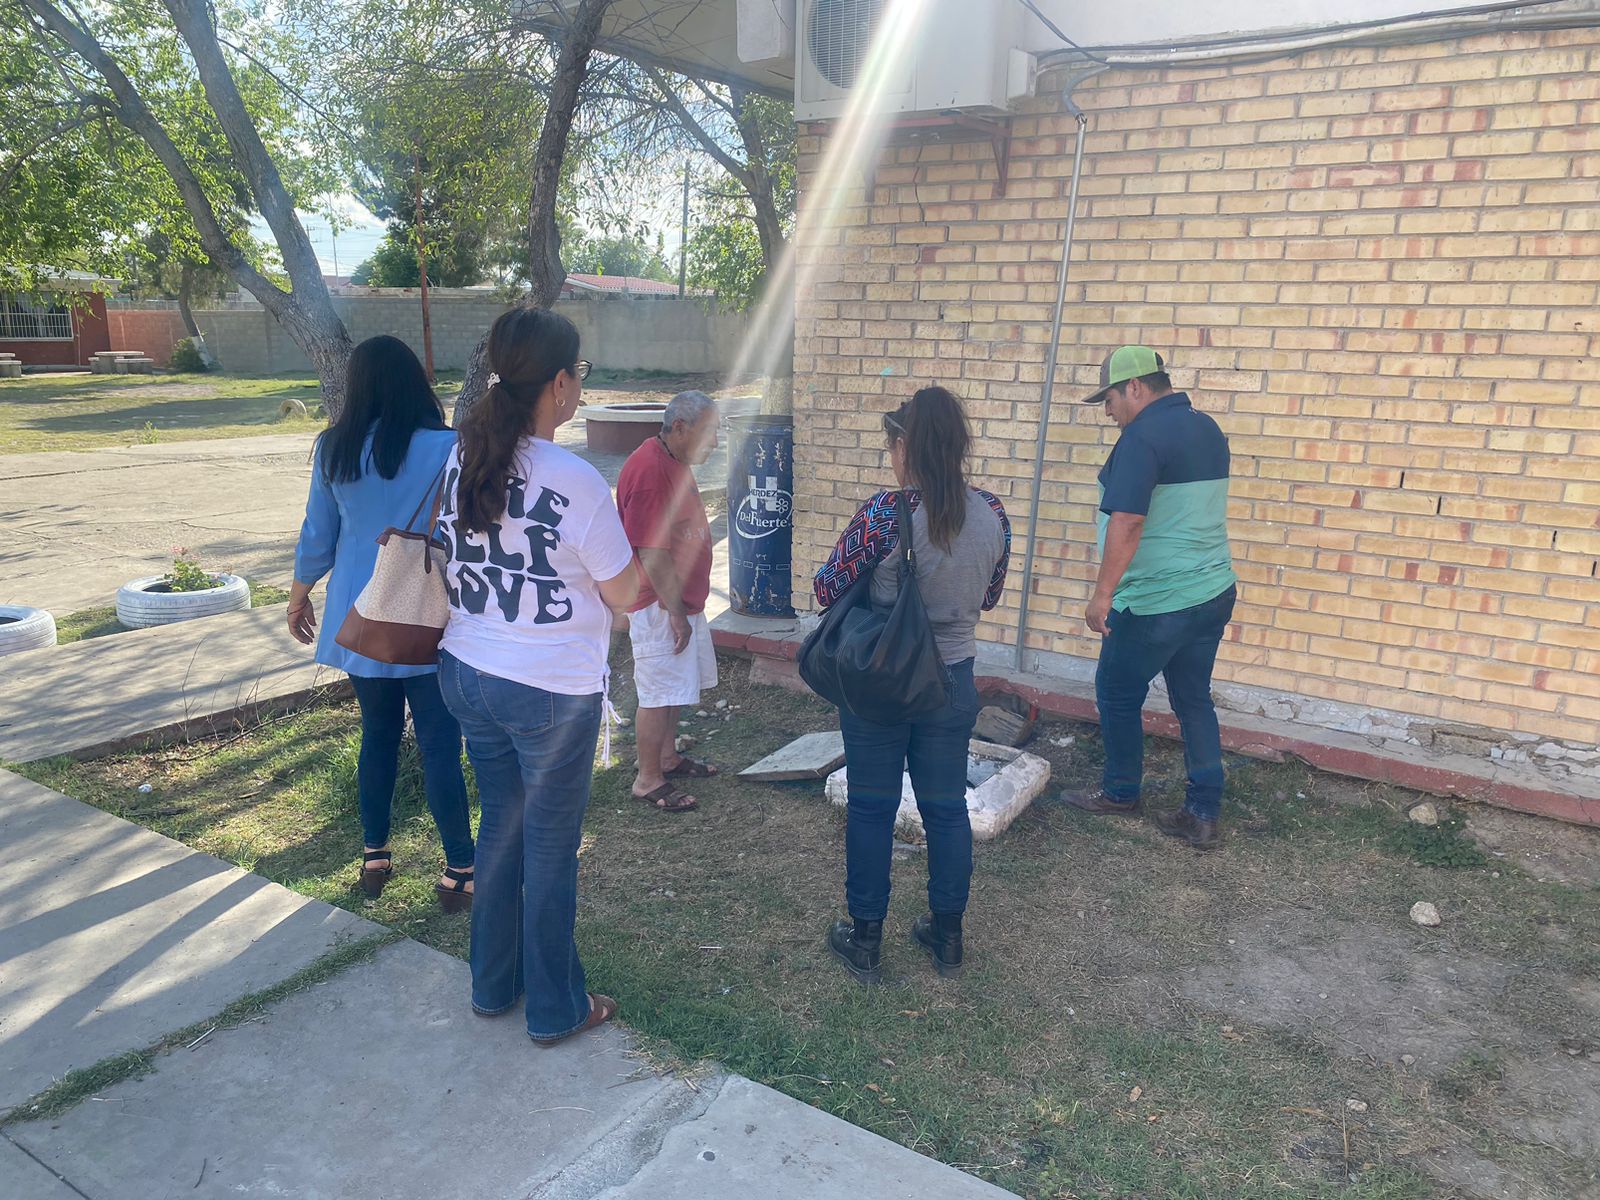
[{"x": 665, "y": 679}]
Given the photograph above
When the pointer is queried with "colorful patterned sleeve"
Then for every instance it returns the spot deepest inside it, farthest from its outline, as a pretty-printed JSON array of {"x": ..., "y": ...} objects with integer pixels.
[
  {"x": 997, "y": 581},
  {"x": 869, "y": 538}
]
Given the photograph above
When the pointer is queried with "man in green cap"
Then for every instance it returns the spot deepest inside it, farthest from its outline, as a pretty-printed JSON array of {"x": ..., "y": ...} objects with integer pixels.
[{"x": 1165, "y": 590}]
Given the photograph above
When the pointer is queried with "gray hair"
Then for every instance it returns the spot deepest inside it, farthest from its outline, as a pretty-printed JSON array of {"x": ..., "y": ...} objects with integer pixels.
[{"x": 687, "y": 407}]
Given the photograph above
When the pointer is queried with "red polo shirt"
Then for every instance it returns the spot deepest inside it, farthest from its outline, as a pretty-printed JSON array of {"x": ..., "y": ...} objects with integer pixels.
[{"x": 661, "y": 510}]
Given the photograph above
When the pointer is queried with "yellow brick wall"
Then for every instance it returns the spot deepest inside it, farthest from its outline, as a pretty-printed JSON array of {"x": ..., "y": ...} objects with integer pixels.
[{"x": 1378, "y": 268}]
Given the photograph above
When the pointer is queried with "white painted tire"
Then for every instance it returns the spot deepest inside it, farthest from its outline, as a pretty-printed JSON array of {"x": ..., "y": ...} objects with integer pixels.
[
  {"x": 140, "y": 608},
  {"x": 25, "y": 628}
]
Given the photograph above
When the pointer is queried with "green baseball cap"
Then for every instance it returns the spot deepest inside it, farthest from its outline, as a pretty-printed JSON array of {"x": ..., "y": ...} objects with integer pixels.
[{"x": 1125, "y": 363}]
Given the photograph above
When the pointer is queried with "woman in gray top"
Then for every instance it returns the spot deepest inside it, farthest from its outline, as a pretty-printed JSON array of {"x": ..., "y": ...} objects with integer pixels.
[{"x": 962, "y": 542}]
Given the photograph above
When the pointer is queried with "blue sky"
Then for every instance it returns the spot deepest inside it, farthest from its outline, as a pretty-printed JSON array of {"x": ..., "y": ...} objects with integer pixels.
[
  {"x": 340, "y": 250},
  {"x": 356, "y": 237}
]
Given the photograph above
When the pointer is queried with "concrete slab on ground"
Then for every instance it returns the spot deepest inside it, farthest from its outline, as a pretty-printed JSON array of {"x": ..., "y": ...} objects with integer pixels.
[
  {"x": 25, "y": 1179},
  {"x": 332, "y": 1087},
  {"x": 118, "y": 690},
  {"x": 113, "y": 936},
  {"x": 753, "y": 1141},
  {"x": 772, "y": 647},
  {"x": 810, "y": 756},
  {"x": 381, "y": 1073}
]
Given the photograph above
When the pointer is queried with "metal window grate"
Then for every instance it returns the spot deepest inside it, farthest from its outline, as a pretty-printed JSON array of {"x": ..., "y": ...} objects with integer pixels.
[
  {"x": 840, "y": 35},
  {"x": 23, "y": 321}
]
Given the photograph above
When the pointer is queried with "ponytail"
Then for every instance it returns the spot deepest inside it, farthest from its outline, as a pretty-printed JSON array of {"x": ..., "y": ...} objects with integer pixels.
[
  {"x": 937, "y": 439},
  {"x": 528, "y": 348}
]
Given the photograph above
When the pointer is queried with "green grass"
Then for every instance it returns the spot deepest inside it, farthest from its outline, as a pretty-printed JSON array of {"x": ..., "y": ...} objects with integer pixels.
[
  {"x": 91, "y": 412},
  {"x": 89, "y": 623},
  {"x": 1084, "y": 935}
]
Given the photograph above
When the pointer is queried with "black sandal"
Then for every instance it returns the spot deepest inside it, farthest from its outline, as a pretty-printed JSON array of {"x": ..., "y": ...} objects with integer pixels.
[
  {"x": 455, "y": 898},
  {"x": 373, "y": 878}
]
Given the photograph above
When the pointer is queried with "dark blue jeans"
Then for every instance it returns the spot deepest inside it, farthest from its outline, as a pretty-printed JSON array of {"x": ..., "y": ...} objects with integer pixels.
[
  {"x": 934, "y": 751},
  {"x": 1182, "y": 648},
  {"x": 533, "y": 753},
  {"x": 383, "y": 723}
]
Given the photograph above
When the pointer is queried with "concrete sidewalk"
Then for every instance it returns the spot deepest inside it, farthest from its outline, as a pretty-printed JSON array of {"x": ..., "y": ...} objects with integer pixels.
[
  {"x": 153, "y": 684},
  {"x": 376, "y": 1081}
]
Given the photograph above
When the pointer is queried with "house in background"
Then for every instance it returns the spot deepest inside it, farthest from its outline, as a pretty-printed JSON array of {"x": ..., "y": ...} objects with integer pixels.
[
  {"x": 47, "y": 331},
  {"x": 1367, "y": 237}
]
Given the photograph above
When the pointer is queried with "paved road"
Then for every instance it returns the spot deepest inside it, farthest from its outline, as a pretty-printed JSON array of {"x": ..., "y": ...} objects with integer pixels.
[{"x": 76, "y": 526}]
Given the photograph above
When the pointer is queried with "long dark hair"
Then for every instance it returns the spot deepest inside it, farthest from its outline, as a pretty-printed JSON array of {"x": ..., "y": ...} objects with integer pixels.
[
  {"x": 387, "y": 394},
  {"x": 933, "y": 427},
  {"x": 528, "y": 348}
]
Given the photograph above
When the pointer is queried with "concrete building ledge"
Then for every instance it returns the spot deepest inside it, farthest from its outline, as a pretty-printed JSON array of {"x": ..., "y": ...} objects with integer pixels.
[{"x": 774, "y": 645}]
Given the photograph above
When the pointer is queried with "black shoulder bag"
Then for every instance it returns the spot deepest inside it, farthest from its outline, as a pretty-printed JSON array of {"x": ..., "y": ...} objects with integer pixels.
[{"x": 876, "y": 666}]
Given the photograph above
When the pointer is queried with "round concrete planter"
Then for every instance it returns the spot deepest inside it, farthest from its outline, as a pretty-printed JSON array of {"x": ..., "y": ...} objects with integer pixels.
[
  {"x": 621, "y": 428},
  {"x": 146, "y": 602},
  {"x": 25, "y": 628}
]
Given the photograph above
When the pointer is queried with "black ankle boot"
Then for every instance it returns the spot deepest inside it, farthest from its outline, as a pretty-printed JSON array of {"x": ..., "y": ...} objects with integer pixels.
[
  {"x": 858, "y": 944},
  {"x": 940, "y": 935}
]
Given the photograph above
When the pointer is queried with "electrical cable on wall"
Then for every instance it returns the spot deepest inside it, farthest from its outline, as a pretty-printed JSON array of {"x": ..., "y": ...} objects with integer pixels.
[{"x": 1291, "y": 40}]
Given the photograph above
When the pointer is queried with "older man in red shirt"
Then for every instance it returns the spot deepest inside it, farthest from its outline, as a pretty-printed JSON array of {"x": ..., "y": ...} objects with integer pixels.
[{"x": 673, "y": 659}]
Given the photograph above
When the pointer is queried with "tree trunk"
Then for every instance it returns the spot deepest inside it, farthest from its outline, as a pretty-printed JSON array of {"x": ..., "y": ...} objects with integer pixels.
[
  {"x": 776, "y": 310},
  {"x": 422, "y": 271},
  {"x": 306, "y": 312},
  {"x": 185, "y": 298},
  {"x": 545, "y": 272}
]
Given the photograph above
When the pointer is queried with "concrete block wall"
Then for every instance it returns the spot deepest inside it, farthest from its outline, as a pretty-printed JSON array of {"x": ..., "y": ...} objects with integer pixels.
[
  {"x": 154, "y": 330},
  {"x": 1378, "y": 268},
  {"x": 619, "y": 333}
]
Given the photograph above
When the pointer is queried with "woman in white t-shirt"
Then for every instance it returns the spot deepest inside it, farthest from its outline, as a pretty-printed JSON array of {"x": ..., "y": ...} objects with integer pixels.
[{"x": 538, "y": 561}]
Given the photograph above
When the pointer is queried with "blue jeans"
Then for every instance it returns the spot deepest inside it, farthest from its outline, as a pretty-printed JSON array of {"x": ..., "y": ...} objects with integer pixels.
[
  {"x": 1182, "y": 648},
  {"x": 533, "y": 753},
  {"x": 383, "y": 722},
  {"x": 934, "y": 750}
]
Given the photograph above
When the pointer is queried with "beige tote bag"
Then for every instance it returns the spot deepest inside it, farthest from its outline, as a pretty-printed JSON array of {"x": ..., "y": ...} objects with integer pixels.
[{"x": 400, "y": 615}]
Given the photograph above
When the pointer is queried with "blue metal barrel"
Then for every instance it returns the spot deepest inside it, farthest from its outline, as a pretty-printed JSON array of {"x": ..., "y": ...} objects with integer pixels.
[{"x": 760, "y": 515}]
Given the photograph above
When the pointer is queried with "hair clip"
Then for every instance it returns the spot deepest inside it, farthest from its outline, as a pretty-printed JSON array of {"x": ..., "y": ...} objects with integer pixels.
[{"x": 493, "y": 379}]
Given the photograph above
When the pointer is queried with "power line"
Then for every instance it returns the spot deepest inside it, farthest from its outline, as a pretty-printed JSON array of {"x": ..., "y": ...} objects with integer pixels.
[{"x": 1057, "y": 30}]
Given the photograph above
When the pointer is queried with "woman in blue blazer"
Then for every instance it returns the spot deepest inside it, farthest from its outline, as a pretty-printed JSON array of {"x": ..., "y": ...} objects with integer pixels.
[{"x": 371, "y": 469}]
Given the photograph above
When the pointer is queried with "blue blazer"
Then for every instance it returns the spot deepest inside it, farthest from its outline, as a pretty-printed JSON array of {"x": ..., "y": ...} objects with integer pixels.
[{"x": 340, "y": 534}]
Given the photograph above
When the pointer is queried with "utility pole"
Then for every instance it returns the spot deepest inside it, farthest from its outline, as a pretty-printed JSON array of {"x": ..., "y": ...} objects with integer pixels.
[
  {"x": 683, "y": 244},
  {"x": 422, "y": 268}
]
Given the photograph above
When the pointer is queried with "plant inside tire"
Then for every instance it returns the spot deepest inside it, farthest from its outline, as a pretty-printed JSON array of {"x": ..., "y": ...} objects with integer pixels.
[
  {"x": 151, "y": 601},
  {"x": 25, "y": 628}
]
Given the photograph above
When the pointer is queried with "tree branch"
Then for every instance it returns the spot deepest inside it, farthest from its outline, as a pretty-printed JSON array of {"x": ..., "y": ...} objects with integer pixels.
[
  {"x": 698, "y": 132},
  {"x": 135, "y": 114}
]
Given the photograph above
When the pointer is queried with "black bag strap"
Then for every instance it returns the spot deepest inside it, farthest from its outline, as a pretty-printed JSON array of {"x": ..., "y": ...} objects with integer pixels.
[{"x": 902, "y": 516}]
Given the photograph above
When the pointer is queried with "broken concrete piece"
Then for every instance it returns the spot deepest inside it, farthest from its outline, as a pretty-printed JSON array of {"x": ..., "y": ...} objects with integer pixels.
[
  {"x": 808, "y": 757},
  {"x": 992, "y": 805},
  {"x": 1002, "y": 727}
]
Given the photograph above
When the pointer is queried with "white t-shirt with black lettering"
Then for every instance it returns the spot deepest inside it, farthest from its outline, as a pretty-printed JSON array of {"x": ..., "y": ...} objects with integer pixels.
[{"x": 524, "y": 601}]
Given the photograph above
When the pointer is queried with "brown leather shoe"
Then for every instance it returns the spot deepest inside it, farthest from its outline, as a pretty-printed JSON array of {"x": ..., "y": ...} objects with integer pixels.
[
  {"x": 1096, "y": 801},
  {"x": 1185, "y": 826}
]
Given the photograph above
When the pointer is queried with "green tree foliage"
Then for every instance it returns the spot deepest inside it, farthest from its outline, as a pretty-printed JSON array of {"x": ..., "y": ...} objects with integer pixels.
[
  {"x": 627, "y": 254},
  {"x": 725, "y": 258},
  {"x": 137, "y": 128}
]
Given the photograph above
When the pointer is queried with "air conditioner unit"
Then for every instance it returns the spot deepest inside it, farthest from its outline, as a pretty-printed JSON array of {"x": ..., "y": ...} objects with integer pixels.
[{"x": 908, "y": 56}]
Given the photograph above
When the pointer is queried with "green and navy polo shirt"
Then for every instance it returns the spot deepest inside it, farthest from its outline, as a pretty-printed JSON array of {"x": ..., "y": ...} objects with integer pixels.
[{"x": 1170, "y": 466}]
